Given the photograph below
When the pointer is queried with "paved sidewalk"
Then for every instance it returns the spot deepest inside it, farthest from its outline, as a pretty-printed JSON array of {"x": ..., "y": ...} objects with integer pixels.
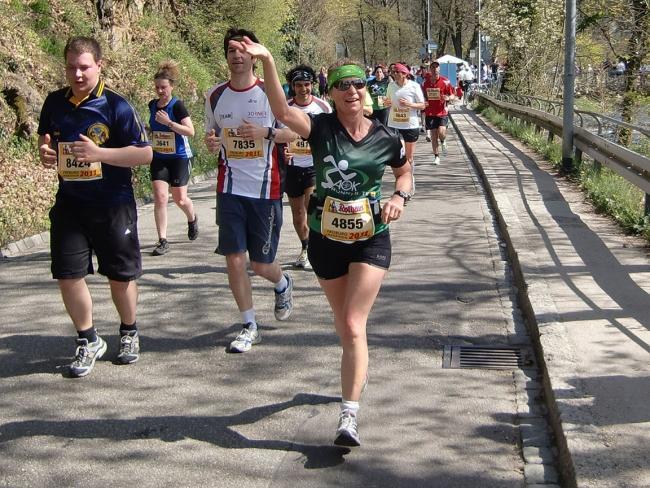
[
  {"x": 189, "y": 414},
  {"x": 585, "y": 287}
]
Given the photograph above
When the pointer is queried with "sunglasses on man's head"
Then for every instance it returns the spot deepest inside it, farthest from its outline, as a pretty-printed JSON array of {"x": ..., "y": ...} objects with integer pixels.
[{"x": 344, "y": 85}]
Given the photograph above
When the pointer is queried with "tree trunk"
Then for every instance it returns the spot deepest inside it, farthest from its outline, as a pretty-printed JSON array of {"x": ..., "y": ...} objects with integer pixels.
[
  {"x": 399, "y": 31},
  {"x": 457, "y": 34},
  {"x": 635, "y": 53},
  {"x": 363, "y": 34}
]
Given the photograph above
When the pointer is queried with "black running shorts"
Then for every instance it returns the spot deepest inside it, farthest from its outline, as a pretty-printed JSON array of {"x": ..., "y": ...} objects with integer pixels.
[
  {"x": 298, "y": 179},
  {"x": 110, "y": 232},
  {"x": 431, "y": 122},
  {"x": 175, "y": 171},
  {"x": 331, "y": 259},
  {"x": 410, "y": 135}
]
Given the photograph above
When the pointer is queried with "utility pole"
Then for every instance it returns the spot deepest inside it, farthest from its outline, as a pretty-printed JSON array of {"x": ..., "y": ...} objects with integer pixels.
[
  {"x": 569, "y": 84},
  {"x": 479, "y": 67},
  {"x": 428, "y": 23}
]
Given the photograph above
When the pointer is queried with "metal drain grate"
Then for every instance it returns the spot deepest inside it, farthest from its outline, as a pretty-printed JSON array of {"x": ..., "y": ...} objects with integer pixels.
[{"x": 486, "y": 357}]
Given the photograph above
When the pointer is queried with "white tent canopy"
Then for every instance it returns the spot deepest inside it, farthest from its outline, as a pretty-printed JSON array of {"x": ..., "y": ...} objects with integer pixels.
[{"x": 448, "y": 58}]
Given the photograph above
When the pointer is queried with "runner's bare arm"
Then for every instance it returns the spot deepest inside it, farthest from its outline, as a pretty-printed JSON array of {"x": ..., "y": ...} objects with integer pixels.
[
  {"x": 85, "y": 150},
  {"x": 394, "y": 207},
  {"x": 292, "y": 117}
]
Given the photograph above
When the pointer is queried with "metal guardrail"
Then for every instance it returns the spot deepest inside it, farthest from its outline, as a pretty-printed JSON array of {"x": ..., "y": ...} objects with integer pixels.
[
  {"x": 555, "y": 107},
  {"x": 632, "y": 166}
]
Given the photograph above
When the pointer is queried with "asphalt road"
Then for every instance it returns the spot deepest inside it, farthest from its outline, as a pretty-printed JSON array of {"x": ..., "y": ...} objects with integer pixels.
[{"x": 190, "y": 414}]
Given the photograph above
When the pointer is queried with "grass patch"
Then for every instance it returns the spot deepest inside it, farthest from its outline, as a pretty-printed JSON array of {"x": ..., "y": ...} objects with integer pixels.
[{"x": 610, "y": 193}]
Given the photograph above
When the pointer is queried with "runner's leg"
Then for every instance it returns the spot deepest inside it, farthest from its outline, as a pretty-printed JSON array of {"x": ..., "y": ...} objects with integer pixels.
[
  {"x": 351, "y": 298},
  {"x": 125, "y": 298},
  {"x": 160, "y": 199},
  {"x": 179, "y": 194},
  {"x": 77, "y": 301},
  {"x": 239, "y": 281}
]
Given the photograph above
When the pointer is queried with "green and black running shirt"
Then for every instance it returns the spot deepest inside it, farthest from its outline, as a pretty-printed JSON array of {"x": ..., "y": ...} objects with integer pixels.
[{"x": 348, "y": 175}]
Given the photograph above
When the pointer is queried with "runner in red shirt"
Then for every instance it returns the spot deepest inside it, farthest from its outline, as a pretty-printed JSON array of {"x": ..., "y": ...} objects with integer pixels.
[{"x": 438, "y": 91}]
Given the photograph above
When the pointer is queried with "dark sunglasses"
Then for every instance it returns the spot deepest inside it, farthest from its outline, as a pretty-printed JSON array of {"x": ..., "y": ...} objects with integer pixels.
[{"x": 344, "y": 85}]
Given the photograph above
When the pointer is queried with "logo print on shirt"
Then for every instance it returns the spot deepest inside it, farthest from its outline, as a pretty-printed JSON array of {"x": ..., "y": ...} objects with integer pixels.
[
  {"x": 98, "y": 133},
  {"x": 338, "y": 179}
]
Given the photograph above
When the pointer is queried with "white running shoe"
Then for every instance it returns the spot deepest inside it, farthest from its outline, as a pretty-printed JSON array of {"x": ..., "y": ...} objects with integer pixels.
[
  {"x": 245, "y": 340},
  {"x": 443, "y": 146},
  {"x": 302, "y": 261},
  {"x": 436, "y": 160},
  {"x": 347, "y": 433}
]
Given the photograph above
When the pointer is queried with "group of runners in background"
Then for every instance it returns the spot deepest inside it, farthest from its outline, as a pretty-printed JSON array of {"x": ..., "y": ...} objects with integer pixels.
[{"x": 328, "y": 154}]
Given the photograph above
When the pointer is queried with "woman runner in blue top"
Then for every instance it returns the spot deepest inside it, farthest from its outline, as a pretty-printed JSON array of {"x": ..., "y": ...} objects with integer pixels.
[
  {"x": 171, "y": 126},
  {"x": 349, "y": 242}
]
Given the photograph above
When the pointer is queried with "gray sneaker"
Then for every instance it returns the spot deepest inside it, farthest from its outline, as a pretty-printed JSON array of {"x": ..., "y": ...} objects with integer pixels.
[
  {"x": 129, "y": 348},
  {"x": 161, "y": 248},
  {"x": 245, "y": 340},
  {"x": 443, "y": 146},
  {"x": 86, "y": 355},
  {"x": 347, "y": 433},
  {"x": 284, "y": 300}
]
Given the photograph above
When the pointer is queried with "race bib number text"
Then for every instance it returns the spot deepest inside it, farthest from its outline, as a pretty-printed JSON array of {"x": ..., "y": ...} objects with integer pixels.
[
  {"x": 164, "y": 142},
  {"x": 72, "y": 170},
  {"x": 300, "y": 147},
  {"x": 347, "y": 221},
  {"x": 401, "y": 115},
  {"x": 240, "y": 148},
  {"x": 433, "y": 93}
]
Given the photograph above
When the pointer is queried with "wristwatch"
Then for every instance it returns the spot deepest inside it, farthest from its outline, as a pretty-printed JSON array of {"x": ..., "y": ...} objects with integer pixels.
[
  {"x": 270, "y": 135},
  {"x": 404, "y": 195}
]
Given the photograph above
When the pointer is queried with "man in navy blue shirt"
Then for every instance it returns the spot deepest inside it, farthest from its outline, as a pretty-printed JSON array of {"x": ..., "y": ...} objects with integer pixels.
[{"x": 93, "y": 137}]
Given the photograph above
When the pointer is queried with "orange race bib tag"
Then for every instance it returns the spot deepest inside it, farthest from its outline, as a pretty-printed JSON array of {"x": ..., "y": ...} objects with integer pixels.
[
  {"x": 400, "y": 115},
  {"x": 347, "y": 221},
  {"x": 163, "y": 142},
  {"x": 300, "y": 147},
  {"x": 433, "y": 93},
  {"x": 72, "y": 170},
  {"x": 238, "y": 147}
]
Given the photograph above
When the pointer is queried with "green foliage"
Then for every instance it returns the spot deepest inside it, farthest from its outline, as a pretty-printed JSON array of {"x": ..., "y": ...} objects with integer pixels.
[
  {"x": 16, "y": 6},
  {"x": 52, "y": 46},
  {"x": 76, "y": 19},
  {"x": 613, "y": 195},
  {"x": 43, "y": 18},
  {"x": 609, "y": 192},
  {"x": 40, "y": 7}
]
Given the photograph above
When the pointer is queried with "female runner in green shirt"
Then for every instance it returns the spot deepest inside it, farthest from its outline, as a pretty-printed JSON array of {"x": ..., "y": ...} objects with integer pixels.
[{"x": 349, "y": 242}]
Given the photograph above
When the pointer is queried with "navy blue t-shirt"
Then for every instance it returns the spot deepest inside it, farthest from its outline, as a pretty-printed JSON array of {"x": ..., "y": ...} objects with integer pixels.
[{"x": 110, "y": 121}]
